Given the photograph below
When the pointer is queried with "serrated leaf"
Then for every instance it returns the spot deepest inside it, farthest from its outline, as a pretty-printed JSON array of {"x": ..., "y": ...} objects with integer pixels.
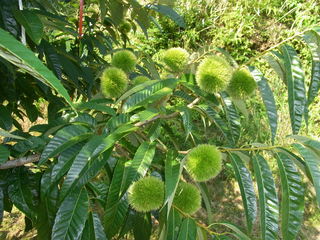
[
  {"x": 116, "y": 208},
  {"x": 6, "y": 134},
  {"x": 186, "y": 120},
  {"x": 188, "y": 230},
  {"x": 246, "y": 186},
  {"x": 63, "y": 139},
  {"x": 71, "y": 216},
  {"x": 139, "y": 165},
  {"x": 215, "y": 118},
  {"x": 268, "y": 100},
  {"x": 292, "y": 197},
  {"x": 150, "y": 93},
  {"x": 92, "y": 105},
  {"x": 268, "y": 200},
  {"x": 169, "y": 12},
  {"x": 312, "y": 160},
  {"x": 32, "y": 24},
  {"x": 296, "y": 90},
  {"x": 232, "y": 116},
  {"x": 16, "y": 53},
  {"x": 5, "y": 117},
  {"x": 237, "y": 232},
  {"x": 173, "y": 170},
  {"x": 21, "y": 192},
  {"x": 312, "y": 38}
]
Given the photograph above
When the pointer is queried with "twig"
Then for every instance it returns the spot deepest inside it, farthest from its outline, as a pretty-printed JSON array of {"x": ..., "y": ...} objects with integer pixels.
[{"x": 20, "y": 161}]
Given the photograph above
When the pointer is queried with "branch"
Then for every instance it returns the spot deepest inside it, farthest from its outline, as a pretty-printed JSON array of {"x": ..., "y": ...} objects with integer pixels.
[
  {"x": 160, "y": 116},
  {"x": 20, "y": 161}
]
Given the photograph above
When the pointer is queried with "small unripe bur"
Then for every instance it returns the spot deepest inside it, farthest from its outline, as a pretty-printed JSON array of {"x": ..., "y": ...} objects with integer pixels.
[
  {"x": 114, "y": 82},
  {"x": 125, "y": 26},
  {"x": 146, "y": 194},
  {"x": 176, "y": 59},
  {"x": 213, "y": 74},
  {"x": 187, "y": 198},
  {"x": 124, "y": 60},
  {"x": 242, "y": 84},
  {"x": 204, "y": 162},
  {"x": 139, "y": 80}
]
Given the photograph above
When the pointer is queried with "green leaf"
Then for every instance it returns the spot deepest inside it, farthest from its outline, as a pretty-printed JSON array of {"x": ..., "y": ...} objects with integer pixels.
[
  {"x": 116, "y": 209},
  {"x": 238, "y": 233},
  {"x": 296, "y": 90},
  {"x": 6, "y": 134},
  {"x": 232, "y": 116},
  {"x": 139, "y": 165},
  {"x": 5, "y": 117},
  {"x": 188, "y": 230},
  {"x": 172, "y": 225},
  {"x": 20, "y": 193},
  {"x": 246, "y": 186},
  {"x": 173, "y": 170},
  {"x": 142, "y": 226},
  {"x": 313, "y": 162},
  {"x": 268, "y": 100},
  {"x": 292, "y": 197},
  {"x": 150, "y": 93},
  {"x": 312, "y": 38},
  {"x": 64, "y": 138},
  {"x": 93, "y": 105},
  {"x": 32, "y": 24},
  {"x": 268, "y": 200},
  {"x": 64, "y": 163},
  {"x": 98, "y": 228},
  {"x": 71, "y": 216},
  {"x": 16, "y": 53},
  {"x": 186, "y": 120},
  {"x": 4, "y": 154},
  {"x": 217, "y": 120},
  {"x": 169, "y": 12}
]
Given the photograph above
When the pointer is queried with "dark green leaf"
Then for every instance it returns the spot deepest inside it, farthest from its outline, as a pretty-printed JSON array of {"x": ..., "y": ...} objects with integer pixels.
[
  {"x": 64, "y": 138},
  {"x": 238, "y": 233},
  {"x": 268, "y": 200},
  {"x": 139, "y": 165},
  {"x": 142, "y": 226},
  {"x": 292, "y": 198},
  {"x": 71, "y": 216},
  {"x": 169, "y": 12},
  {"x": 32, "y": 23},
  {"x": 188, "y": 230},
  {"x": 246, "y": 186},
  {"x": 312, "y": 38},
  {"x": 296, "y": 90},
  {"x": 116, "y": 209},
  {"x": 312, "y": 160},
  {"x": 232, "y": 116},
  {"x": 4, "y": 154},
  {"x": 268, "y": 100},
  {"x": 5, "y": 117},
  {"x": 16, "y": 53}
]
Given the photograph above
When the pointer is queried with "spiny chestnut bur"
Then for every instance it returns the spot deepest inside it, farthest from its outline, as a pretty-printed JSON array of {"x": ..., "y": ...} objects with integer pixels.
[
  {"x": 125, "y": 26},
  {"x": 187, "y": 198},
  {"x": 139, "y": 80},
  {"x": 176, "y": 59},
  {"x": 204, "y": 162},
  {"x": 213, "y": 74},
  {"x": 125, "y": 60},
  {"x": 242, "y": 84},
  {"x": 146, "y": 194},
  {"x": 114, "y": 82}
]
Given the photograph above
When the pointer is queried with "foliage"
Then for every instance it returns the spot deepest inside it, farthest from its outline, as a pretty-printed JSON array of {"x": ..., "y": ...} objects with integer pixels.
[{"x": 94, "y": 169}]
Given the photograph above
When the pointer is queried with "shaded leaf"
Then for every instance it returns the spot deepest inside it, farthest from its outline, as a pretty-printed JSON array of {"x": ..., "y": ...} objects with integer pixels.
[
  {"x": 292, "y": 197},
  {"x": 268, "y": 200}
]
